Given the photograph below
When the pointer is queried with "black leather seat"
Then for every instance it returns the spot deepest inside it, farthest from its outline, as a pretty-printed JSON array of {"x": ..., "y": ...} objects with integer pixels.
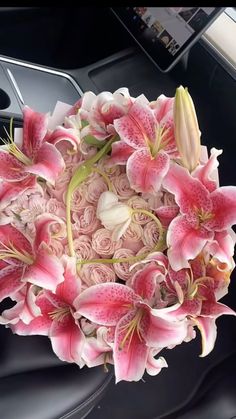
[
  {"x": 35, "y": 384},
  {"x": 216, "y": 396}
]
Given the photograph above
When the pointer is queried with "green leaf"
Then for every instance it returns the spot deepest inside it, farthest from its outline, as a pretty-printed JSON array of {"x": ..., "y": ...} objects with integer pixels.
[
  {"x": 89, "y": 139},
  {"x": 84, "y": 123}
]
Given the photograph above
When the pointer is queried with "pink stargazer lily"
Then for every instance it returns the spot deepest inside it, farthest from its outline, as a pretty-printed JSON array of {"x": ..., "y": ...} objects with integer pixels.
[
  {"x": 33, "y": 154},
  {"x": 101, "y": 110},
  {"x": 56, "y": 318},
  {"x": 204, "y": 217},
  {"x": 136, "y": 328},
  {"x": 24, "y": 262},
  {"x": 199, "y": 289},
  {"x": 25, "y": 308},
  {"x": 147, "y": 141},
  {"x": 9, "y": 192},
  {"x": 65, "y": 139}
]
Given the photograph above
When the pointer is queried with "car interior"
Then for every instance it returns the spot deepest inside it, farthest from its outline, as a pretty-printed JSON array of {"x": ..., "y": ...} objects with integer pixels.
[{"x": 58, "y": 53}]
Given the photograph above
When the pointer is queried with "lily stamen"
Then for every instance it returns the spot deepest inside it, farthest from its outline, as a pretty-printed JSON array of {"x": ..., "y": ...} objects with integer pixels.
[
  {"x": 132, "y": 326},
  {"x": 159, "y": 143},
  {"x": 59, "y": 314},
  {"x": 13, "y": 149},
  {"x": 12, "y": 252}
]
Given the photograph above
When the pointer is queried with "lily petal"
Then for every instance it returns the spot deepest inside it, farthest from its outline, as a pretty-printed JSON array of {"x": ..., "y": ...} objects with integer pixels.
[
  {"x": 144, "y": 281},
  {"x": 64, "y": 135},
  {"x": 224, "y": 208},
  {"x": 154, "y": 366},
  {"x": 46, "y": 271},
  {"x": 222, "y": 247},
  {"x": 145, "y": 173},
  {"x": 27, "y": 301},
  {"x": 187, "y": 308},
  {"x": 95, "y": 349},
  {"x": 120, "y": 230},
  {"x": 215, "y": 309},
  {"x": 48, "y": 163},
  {"x": 207, "y": 328},
  {"x": 105, "y": 304},
  {"x": 11, "y": 169},
  {"x": 34, "y": 131},
  {"x": 40, "y": 325},
  {"x": 208, "y": 173},
  {"x": 43, "y": 225},
  {"x": 9, "y": 235},
  {"x": 120, "y": 153},
  {"x": 130, "y": 357},
  {"x": 11, "y": 315},
  {"x": 185, "y": 242},
  {"x": 138, "y": 126},
  {"x": 67, "y": 339},
  {"x": 167, "y": 214},
  {"x": 70, "y": 288},
  {"x": 162, "y": 332},
  {"x": 189, "y": 192},
  {"x": 10, "y": 281},
  {"x": 162, "y": 107},
  {"x": 12, "y": 191}
]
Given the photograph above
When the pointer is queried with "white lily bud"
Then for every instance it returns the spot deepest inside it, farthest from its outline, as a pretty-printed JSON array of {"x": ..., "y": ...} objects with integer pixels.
[
  {"x": 187, "y": 134},
  {"x": 114, "y": 215}
]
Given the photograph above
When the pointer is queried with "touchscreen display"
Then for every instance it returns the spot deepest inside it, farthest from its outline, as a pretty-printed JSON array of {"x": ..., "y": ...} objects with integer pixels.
[{"x": 165, "y": 33}]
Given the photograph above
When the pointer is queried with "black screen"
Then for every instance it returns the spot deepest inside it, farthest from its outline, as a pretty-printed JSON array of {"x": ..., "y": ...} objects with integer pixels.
[{"x": 165, "y": 33}]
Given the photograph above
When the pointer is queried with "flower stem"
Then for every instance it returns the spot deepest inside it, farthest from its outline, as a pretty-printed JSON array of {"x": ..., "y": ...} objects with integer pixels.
[
  {"x": 105, "y": 177},
  {"x": 80, "y": 175},
  {"x": 159, "y": 246},
  {"x": 154, "y": 218}
]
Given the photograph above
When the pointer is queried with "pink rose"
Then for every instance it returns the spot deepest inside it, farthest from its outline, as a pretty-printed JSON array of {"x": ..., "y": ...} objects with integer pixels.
[
  {"x": 163, "y": 203},
  {"x": 161, "y": 198},
  {"x": 78, "y": 200},
  {"x": 86, "y": 220},
  {"x": 87, "y": 150},
  {"x": 72, "y": 159},
  {"x": 27, "y": 206},
  {"x": 150, "y": 234},
  {"x": 96, "y": 273},
  {"x": 58, "y": 191},
  {"x": 83, "y": 248},
  {"x": 56, "y": 248},
  {"x": 136, "y": 202},
  {"x": 110, "y": 171},
  {"x": 122, "y": 186},
  {"x": 103, "y": 244},
  {"x": 95, "y": 186},
  {"x": 132, "y": 238},
  {"x": 144, "y": 250},
  {"x": 58, "y": 229},
  {"x": 56, "y": 207},
  {"x": 23, "y": 211},
  {"x": 35, "y": 206},
  {"x": 122, "y": 269}
]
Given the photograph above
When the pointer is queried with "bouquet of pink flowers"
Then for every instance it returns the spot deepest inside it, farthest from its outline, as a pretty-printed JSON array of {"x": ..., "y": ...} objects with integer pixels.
[{"x": 115, "y": 237}]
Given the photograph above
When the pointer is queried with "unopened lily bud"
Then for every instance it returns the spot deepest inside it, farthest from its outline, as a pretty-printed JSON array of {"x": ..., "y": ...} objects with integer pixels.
[{"x": 187, "y": 134}]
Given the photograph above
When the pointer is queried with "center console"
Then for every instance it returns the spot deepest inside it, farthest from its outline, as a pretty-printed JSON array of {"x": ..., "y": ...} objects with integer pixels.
[{"x": 36, "y": 86}]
